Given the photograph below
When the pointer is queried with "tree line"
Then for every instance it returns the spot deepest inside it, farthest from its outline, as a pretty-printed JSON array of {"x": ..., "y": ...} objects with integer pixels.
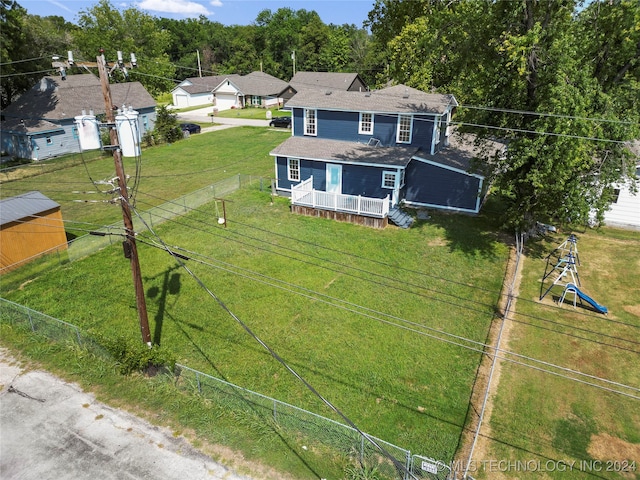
[{"x": 558, "y": 80}]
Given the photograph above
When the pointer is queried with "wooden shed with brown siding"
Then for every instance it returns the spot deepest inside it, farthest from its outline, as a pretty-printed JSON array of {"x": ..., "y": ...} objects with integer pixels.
[{"x": 30, "y": 225}]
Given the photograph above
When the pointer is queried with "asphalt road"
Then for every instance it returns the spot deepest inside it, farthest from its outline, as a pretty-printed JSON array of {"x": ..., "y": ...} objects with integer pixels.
[{"x": 52, "y": 430}]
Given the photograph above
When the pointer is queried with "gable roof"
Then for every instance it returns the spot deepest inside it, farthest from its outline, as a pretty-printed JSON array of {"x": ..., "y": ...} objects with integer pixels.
[
  {"x": 26, "y": 205},
  {"x": 54, "y": 99},
  {"x": 343, "y": 152},
  {"x": 397, "y": 99},
  {"x": 333, "y": 80},
  {"x": 206, "y": 84},
  {"x": 259, "y": 84}
]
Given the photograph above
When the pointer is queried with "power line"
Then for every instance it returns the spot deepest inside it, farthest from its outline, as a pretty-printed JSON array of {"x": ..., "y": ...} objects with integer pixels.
[
  {"x": 551, "y": 134},
  {"x": 24, "y": 73},
  {"x": 279, "y": 359},
  {"x": 475, "y": 346},
  {"x": 25, "y": 60},
  {"x": 369, "y": 274}
]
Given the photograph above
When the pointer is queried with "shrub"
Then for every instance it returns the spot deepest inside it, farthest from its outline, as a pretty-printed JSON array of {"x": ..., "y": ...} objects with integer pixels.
[{"x": 135, "y": 356}]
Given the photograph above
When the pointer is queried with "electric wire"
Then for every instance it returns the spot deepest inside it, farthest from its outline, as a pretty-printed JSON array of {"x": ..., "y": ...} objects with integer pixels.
[
  {"x": 493, "y": 109},
  {"x": 368, "y": 274},
  {"x": 475, "y": 348},
  {"x": 25, "y": 60},
  {"x": 25, "y": 73},
  {"x": 279, "y": 359}
]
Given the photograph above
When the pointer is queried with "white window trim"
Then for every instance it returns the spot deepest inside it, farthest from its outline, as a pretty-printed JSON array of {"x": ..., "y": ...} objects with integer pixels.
[
  {"x": 394, "y": 173},
  {"x": 289, "y": 169},
  {"x": 404, "y": 115},
  {"x": 360, "y": 124},
  {"x": 315, "y": 122}
]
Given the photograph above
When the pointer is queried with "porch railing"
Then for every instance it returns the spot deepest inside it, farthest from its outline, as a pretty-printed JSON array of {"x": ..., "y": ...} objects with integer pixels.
[{"x": 303, "y": 194}]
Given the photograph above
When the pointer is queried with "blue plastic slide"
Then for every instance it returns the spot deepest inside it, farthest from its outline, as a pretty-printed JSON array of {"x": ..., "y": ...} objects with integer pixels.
[{"x": 583, "y": 296}]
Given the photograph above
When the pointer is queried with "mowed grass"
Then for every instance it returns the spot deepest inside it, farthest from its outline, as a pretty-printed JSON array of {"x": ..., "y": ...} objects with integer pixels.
[
  {"x": 166, "y": 172},
  {"x": 549, "y": 419},
  {"x": 353, "y": 310}
]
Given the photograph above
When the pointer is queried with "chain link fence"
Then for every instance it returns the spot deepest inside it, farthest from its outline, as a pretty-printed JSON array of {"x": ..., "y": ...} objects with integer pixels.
[
  {"x": 370, "y": 456},
  {"x": 88, "y": 244}
]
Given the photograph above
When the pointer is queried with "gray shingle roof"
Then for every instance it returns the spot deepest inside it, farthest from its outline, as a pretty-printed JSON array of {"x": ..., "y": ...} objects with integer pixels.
[
  {"x": 26, "y": 205},
  {"x": 259, "y": 83},
  {"x": 462, "y": 150},
  {"x": 398, "y": 99},
  {"x": 459, "y": 154},
  {"x": 343, "y": 152},
  {"x": 333, "y": 80},
  {"x": 55, "y": 99},
  {"x": 205, "y": 84}
]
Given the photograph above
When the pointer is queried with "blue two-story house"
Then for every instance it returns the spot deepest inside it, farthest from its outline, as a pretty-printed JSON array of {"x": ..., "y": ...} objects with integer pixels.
[{"x": 364, "y": 153}]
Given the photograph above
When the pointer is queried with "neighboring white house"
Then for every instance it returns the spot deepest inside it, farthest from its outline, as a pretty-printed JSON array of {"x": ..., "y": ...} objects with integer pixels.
[
  {"x": 224, "y": 92},
  {"x": 195, "y": 91},
  {"x": 625, "y": 209}
]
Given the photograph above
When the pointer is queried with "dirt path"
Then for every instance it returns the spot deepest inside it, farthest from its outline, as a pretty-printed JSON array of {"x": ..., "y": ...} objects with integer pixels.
[{"x": 481, "y": 447}]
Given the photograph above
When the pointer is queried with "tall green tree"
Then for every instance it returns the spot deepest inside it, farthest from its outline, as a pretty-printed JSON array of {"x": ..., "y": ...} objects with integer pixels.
[
  {"x": 560, "y": 162},
  {"x": 104, "y": 28},
  {"x": 538, "y": 78},
  {"x": 27, "y": 44}
]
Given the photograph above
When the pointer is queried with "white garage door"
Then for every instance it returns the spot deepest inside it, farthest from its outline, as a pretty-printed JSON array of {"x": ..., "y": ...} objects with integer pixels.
[{"x": 224, "y": 101}]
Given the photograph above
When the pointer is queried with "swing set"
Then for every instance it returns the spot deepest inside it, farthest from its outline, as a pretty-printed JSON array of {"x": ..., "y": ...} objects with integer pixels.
[{"x": 562, "y": 266}]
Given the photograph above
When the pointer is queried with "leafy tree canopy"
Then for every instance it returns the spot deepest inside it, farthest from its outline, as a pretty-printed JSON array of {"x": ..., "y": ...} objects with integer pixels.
[
  {"x": 106, "y": 29},
  {"x": 575, "y": 72}
]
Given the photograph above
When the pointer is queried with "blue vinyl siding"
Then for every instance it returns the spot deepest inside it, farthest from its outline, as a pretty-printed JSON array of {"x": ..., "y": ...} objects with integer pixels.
[
  {"x": 363, "y": 180},
  {"x": 356, "y": 179},
  {"x": 334, "y": 125},
  {"x": 433, "y": 185}
]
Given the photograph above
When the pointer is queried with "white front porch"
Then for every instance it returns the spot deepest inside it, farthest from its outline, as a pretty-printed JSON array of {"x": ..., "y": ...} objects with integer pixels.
[{"x": 304, "y": 195}]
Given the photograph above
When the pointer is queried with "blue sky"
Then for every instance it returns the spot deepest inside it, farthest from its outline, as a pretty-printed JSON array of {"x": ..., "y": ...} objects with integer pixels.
[{"x": 227, "y": 12}]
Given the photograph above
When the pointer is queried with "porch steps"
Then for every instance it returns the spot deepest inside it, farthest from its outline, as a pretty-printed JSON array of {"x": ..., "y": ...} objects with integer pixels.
[{"x": 400, "y": 218}]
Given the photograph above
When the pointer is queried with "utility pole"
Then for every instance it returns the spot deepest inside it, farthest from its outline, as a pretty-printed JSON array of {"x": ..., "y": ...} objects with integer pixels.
[
  {"x": 129, "y": 245},
  {"x": 293, "y": 57},
  {"x": 199, "y": 66}
]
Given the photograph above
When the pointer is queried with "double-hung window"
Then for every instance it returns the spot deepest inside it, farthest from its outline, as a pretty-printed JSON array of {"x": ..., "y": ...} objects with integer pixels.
[
  {"x": 365, "y": 126},
  {"x": 389, "y": 179},
  {"x": 310, "y": 122},
  {"x": 293, "y": 169},
  {"x": 404, "y": 129}
]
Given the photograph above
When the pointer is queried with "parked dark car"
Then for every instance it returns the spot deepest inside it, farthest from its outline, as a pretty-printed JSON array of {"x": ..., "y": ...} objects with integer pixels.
[
  {"x": 284, "y": 122},
  {"x": 190, "y": 127}
]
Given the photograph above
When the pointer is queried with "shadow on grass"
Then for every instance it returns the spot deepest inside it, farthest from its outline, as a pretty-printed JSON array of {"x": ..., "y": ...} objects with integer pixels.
[
  {"x": 171, "y": 286},
  {"x": 472, "y": 235}
]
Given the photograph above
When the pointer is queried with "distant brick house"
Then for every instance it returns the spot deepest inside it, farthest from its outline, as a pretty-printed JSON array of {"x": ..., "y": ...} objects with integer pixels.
[
  {"x": 40, "y": 123},
  {"x": 30, "y": 225}
]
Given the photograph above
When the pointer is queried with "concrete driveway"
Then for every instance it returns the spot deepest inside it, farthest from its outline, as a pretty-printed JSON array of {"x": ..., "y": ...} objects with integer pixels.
[
  {"x": 202, "y": 116},
  {"x": 50, "y": 429}
]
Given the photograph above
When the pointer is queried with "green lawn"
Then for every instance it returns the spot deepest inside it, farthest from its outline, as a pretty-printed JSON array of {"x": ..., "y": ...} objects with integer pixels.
[
  {"x": 352, "y": 309},
  {"x": 546, "y": 418}
]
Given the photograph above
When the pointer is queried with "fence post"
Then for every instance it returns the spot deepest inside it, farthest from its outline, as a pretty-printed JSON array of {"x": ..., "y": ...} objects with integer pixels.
[
  {"x": 408, "y": 465},
  {"x": 78, "y": 335},
  {"x": 275, "y": 410},
  {"x": 198, "y": 382},
  {"x": 33, "y": 328}
]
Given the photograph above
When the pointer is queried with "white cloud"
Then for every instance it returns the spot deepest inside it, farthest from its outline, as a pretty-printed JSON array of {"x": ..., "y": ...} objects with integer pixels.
[
  {"x": 64, "y": 7},
  {"x": 215, "y": 3},
  {"x": 185, "y": 7}
]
